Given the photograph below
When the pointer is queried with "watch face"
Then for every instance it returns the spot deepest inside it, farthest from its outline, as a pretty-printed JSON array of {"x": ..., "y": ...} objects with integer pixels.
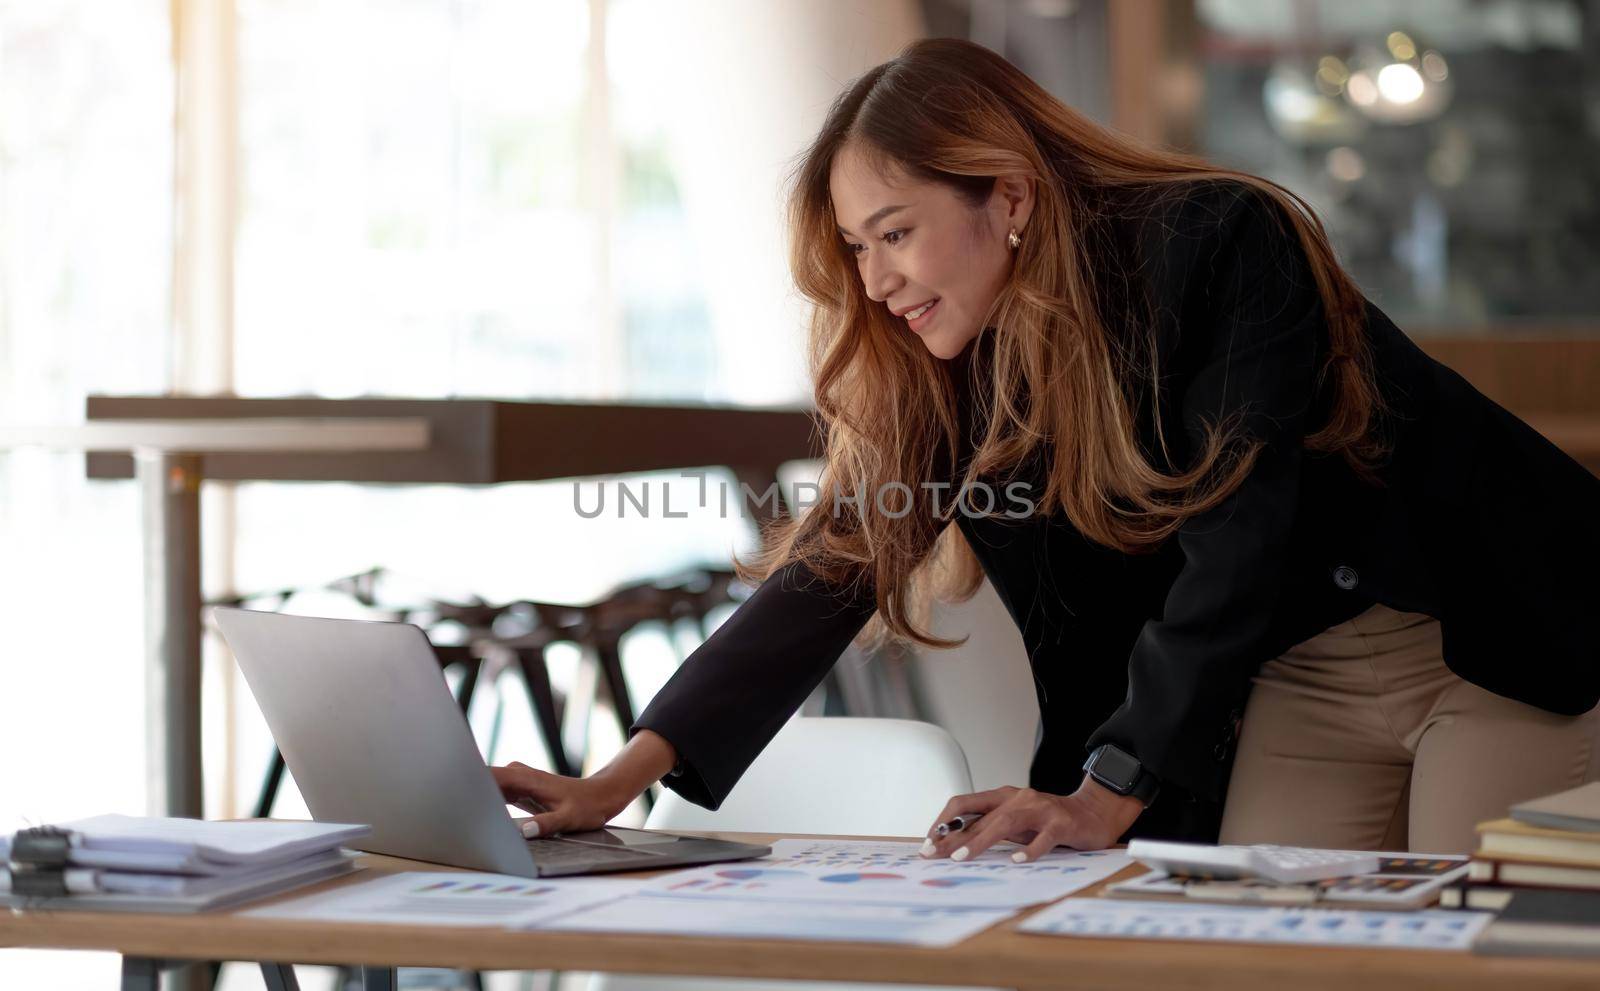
[{"x": 1117, "y": 768}]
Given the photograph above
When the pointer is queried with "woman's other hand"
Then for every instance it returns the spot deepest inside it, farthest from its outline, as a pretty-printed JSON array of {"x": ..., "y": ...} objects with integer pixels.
[{"x": 1092, "y": 818}]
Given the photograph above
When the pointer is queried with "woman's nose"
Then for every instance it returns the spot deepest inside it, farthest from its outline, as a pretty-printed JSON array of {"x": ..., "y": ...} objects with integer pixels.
[{"x": 879, "y": 280}]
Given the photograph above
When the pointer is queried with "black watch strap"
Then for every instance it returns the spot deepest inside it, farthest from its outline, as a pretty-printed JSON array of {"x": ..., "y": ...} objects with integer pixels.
[{"x": 1121, "y": 772}]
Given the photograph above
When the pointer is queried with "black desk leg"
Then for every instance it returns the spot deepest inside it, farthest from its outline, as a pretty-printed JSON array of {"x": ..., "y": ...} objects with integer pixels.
[
  {"x": 279, "y": 976},
  {"x": 141, "y": 974},
  {"x": 144, "y": 974},
  {"x": 377, "y": 978}
]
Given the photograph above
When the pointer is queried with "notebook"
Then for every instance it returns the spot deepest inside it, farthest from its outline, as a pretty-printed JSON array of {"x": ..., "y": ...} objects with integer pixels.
[
  {"x": 1510, "y": 839},
  {"x": 1577, "y": 810},
  {"x": 1557, "y": 923}
]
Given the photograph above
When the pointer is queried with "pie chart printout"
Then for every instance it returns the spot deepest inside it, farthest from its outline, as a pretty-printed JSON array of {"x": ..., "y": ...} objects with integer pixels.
[
  {"x": 956, "y": 882},
  {"x": 757, "y": 873},
  {"x": 876, "y": 872},
  {"x": 857, "y": 876}
]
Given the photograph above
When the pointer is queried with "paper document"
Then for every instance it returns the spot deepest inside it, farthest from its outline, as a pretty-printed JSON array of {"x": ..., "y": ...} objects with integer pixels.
[
  {"x": 454, "y": 898},
  {"x": 218, "y": 892},
  {"x": 187, "y": 885},
  {"x": 1105, "y": 918},
  {"x": 194, "y": 846},
  {"x": 862, "y": 872},
  {"x": 754, "y": 919}
]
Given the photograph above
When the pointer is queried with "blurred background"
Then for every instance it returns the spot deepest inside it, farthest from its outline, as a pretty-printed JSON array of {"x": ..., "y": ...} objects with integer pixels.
[{"x": 577, "y": 201}]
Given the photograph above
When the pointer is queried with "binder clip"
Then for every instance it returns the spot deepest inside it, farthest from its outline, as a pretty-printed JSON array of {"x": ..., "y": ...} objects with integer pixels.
[{"x": 38, "y": 862}]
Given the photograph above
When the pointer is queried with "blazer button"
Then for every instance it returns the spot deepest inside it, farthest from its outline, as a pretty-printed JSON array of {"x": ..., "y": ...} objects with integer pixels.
[{"x": 1345, "y": 577}]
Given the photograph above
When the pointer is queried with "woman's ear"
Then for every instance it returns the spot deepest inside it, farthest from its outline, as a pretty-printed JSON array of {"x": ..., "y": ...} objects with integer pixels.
[{"x": 1012, "y": 202}]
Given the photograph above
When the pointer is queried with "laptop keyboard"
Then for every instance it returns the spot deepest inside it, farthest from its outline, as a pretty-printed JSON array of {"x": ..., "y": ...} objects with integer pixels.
[{"x": 553, "y": 852}]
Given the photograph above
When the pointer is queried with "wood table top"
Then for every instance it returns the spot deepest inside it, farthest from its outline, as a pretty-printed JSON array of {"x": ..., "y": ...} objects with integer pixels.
[{"x": 997, "y": 957}]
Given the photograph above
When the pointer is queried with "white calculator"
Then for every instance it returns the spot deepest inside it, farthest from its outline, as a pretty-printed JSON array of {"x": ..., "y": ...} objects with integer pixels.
[{"x": 1283, "y": 864}]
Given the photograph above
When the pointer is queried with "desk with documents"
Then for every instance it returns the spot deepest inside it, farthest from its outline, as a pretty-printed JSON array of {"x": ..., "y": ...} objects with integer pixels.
[{"x": 997, "y": 957}]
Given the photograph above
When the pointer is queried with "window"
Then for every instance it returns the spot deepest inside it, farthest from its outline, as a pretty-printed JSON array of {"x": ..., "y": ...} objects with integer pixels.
[
  {"x": 85, "y": 248},
  {"x": 1450, "y": 147},
  {"x": 431, "y": 217}
]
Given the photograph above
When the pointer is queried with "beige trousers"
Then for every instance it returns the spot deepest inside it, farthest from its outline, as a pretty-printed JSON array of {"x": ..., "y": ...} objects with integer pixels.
[{"x": 1360, "y": 738}]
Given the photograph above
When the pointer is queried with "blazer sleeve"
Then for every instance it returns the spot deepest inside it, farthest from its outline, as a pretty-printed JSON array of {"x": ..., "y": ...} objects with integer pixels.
[
  {"x": 1257, "y": 305},
  {"x": 730, "y": 697}
]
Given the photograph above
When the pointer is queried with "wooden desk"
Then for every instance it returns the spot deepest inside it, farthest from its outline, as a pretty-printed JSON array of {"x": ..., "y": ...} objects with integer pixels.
[{"x": 997, "y": 957}]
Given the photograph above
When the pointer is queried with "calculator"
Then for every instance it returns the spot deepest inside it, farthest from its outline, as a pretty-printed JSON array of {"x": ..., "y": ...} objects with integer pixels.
[{"x": 1282, "y": 864}]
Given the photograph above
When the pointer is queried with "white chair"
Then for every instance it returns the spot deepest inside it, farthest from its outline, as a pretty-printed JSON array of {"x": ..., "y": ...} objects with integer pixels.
[{"x": 834, "y": 775}]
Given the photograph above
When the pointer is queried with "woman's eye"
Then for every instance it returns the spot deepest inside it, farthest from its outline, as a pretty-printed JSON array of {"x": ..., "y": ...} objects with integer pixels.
[{"x": 892, "y": 237}]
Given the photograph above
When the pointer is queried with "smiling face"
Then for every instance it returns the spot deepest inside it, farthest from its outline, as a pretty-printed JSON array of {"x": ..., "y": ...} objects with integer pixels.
[{"x": 916, "y": 242}]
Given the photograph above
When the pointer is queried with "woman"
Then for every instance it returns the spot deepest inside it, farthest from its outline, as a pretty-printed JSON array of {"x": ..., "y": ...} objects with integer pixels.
[{"x": 1270, "y": 551}]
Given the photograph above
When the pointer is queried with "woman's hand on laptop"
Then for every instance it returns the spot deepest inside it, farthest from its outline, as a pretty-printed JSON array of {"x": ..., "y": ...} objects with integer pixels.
[
  {"x": 560, "y": 804},
  {"x": 565, "y": 805}
]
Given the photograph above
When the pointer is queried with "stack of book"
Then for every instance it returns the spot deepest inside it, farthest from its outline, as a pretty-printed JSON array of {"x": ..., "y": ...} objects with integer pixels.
[
  {"x": 129, "y": 863},
  {"x": 1540, "y": 870}
]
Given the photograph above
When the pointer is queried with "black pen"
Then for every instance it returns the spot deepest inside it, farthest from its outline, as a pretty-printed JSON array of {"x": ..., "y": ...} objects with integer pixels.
[{"x": 959, "y": 823}]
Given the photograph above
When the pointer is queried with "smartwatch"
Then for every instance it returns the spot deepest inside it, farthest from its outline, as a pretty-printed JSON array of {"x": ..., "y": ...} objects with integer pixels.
[{"x": 1121, "y": 772}]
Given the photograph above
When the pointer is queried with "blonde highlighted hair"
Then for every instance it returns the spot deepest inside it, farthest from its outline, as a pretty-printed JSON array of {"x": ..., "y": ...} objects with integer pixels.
[{"x": 1062, "y": 391}]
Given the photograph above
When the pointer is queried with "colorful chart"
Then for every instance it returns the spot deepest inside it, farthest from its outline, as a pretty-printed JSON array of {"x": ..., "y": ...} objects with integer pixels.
[
  {"x": 531, "y": 889},
  {"x": 753, "y": 873},
  {"x": 887, "y": 873},
  {"x": 956, "y": 882},
  {"x": 857, "y": 876}
]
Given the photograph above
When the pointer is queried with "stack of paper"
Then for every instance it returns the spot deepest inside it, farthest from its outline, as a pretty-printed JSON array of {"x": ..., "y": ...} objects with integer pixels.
[{"x": 183, "y": 865}]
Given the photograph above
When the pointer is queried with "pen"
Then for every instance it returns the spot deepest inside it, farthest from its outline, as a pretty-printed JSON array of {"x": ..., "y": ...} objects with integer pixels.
[{"x": 957, "y": 824}]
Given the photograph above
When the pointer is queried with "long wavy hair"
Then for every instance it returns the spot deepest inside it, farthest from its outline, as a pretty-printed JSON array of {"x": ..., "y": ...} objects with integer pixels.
[{"x": 1068, "y": 374}]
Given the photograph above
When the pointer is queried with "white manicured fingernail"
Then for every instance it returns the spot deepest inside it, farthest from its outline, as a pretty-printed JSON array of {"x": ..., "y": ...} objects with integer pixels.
[
  {"x": 960, "y": 854},
  {"x": 1019, "y": 857},
  {"x": 530, "y": 828},
  {"x": 927, "y": 848}
]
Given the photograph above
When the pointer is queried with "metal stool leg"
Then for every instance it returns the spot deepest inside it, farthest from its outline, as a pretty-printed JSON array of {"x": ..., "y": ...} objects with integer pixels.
[
  {"x": 536, "y": 676},
  {"x": 269, "y": 787},
  {"x": 469, "y": 683},
  {"x": 609, "y": 654},
  {"x": 579, "y": 710}
]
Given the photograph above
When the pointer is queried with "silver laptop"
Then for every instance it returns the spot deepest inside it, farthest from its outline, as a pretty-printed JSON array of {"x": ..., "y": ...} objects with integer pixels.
[{"x": 368, "y": 727}]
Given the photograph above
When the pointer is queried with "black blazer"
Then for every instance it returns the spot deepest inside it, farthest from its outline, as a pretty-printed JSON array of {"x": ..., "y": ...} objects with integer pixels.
[{"x": 1481, "y": 523}]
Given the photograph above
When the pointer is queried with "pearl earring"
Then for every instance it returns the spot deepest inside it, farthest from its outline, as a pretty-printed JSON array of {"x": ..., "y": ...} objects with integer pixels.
[{"x": 1014, "y": 239}]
